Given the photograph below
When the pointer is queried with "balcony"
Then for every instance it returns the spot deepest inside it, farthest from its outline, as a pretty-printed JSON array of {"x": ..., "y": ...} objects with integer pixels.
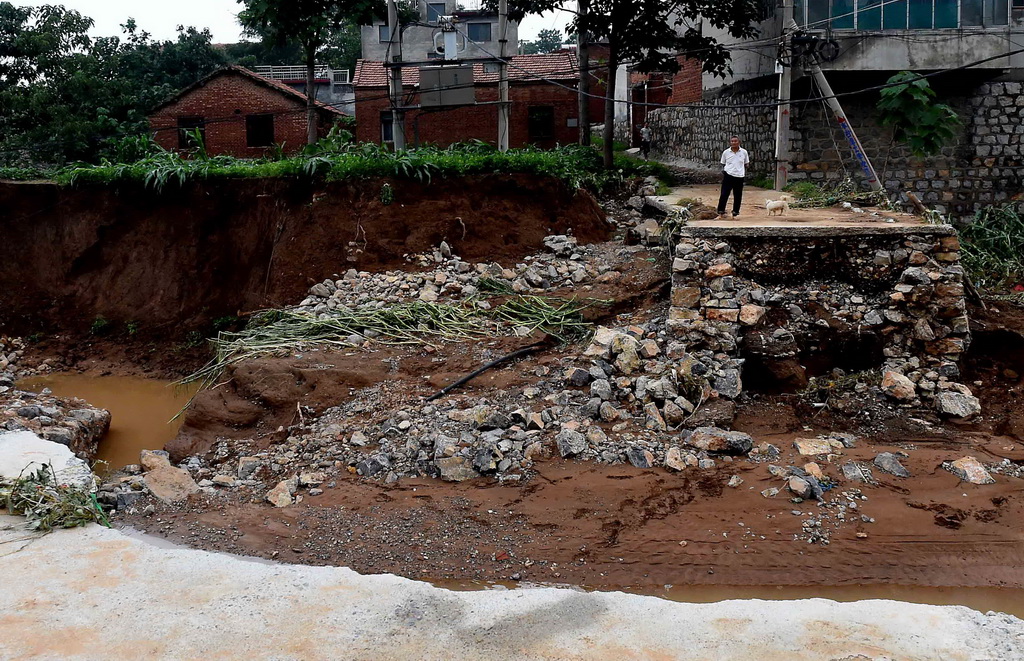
[{"x": 297, "y": 74}]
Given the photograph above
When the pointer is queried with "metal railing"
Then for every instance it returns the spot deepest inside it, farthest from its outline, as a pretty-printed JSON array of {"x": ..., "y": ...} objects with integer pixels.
[{"x": 298, "y": 73}]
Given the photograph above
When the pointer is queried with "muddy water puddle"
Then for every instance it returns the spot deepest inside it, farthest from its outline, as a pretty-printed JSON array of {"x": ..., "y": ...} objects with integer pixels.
[{"x": 140, "y": 411}]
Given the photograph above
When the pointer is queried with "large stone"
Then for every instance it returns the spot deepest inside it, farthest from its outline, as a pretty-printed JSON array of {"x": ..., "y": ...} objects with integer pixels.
[
  {"x": 153, "y": 459},
  {"x": 957, "y": 404},
  {"x": 685, "y": 297},
  {"x": 969, "y": 469},
  {"x": 751, "y": 315},
  {"x": 628, "y": 360},
  {"x": 811, "y": 447},
  {"x": 718, "y": 271},
  {"x": 854, "y": 471},
  {"x": 570, "y": 442},
  {"x": 653, "y": 419},
  {"x": 22, "y": 452},
  {"x": 639, "y": 457},
  {"x": 898, "y": 386},
  {"x": 281, "y": 495},
  {"x": 247, "y": 466},
  {"x": 456, "y": 469},
  {"x": 890, "y": 463},
  {"x": 674, "y": 459},
  {"x": 713, "y": 439},
  {"x": 170, "y": 484}
]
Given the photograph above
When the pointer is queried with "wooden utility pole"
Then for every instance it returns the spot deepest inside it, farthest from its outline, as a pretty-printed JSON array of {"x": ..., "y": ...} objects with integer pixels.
[
  {"x": 503, "y": 101},
  {"x": 782, "y": 136},
  {"x": 395, "y": 77}
]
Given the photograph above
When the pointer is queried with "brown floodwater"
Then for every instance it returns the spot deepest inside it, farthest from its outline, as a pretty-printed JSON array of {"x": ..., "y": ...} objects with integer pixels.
[{"x": 140, "y": 411}]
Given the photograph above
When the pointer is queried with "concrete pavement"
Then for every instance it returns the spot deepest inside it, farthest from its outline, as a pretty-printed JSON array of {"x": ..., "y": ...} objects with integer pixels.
[{"x": 94, "y": 593}]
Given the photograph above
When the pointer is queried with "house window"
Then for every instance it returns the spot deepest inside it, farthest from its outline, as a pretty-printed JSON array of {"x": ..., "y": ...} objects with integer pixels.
[
  {"x": 387, "y": 127},
  {"x": 540, "y": 121},
  {"x": 383, "y": 34},
  {"x": 435, "y": 10},
  {"x": 479, "y": 32},
  {"x": 259, "y": 130},
  {"x": 186, "y": 129}
]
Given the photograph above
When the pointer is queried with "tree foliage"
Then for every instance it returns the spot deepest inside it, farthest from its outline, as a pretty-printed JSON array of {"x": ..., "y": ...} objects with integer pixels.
[
  {"x": 546, "y": 41},
  {"x": 648, "y": 34},
  {"x": 65, "y": 96},
  {"x": 918, "y": 121}
]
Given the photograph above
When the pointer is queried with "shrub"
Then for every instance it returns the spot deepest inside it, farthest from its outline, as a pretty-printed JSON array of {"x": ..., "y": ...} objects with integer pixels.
[{"x": 992, "y": 246}]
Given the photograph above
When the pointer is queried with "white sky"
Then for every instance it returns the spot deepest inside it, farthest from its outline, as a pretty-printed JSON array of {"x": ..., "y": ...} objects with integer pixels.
[{"x": 161, "y": 19}]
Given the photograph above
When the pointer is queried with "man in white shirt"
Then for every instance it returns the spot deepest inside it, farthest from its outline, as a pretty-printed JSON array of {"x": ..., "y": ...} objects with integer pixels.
[
  {"x": 645, "y": 141},
  {"x": 735, "y": 160}
]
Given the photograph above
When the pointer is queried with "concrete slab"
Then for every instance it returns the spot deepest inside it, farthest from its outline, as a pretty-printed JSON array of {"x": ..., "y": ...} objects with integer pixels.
[
  {"x": 754, "y": 214},
  {"x": 95, "y": 593}
]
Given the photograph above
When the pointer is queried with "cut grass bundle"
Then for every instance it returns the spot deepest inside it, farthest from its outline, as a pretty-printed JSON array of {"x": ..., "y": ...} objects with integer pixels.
[
  {"x": 992, "y": 247},
  {"x": 419, "y": 322},
  {"x": 494, "y": 286},
  {"x": 47, "y": 504},
  {"x": 285, "y": 330},
  {"x": 561, "y": 319}
]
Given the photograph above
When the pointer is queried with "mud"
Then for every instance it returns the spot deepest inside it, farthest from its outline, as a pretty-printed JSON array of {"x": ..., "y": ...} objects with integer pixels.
[{"x": 181, "y": 259}]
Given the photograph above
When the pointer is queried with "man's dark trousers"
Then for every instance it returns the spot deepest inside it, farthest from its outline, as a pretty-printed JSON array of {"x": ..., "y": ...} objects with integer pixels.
[{"x": 734, "y": 185}]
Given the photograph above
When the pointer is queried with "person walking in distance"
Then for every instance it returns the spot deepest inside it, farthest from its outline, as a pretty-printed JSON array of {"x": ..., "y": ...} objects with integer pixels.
[
  {"x": 645, "y": 141},
  {"x": 735, "y": 160}
]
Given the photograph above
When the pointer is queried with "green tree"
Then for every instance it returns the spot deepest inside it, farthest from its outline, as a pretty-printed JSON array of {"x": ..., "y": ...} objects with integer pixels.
[
  {"x": 649, "y": 33},
  {"x": 918, "y": 121},
  {"x": 65, "y": 96},
  {"x": 546, "y": 41},
  {"x": 310, "y": 23}
]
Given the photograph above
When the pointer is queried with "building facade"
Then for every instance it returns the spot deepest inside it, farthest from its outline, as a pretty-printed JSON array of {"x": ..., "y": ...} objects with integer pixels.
[
  {"x": 542, "y": 91},
  {"x": 237, "y": 113},
  {"x": 477, "y": 30}
]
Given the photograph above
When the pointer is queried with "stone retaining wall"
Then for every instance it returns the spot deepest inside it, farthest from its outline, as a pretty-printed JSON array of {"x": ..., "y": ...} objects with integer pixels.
[
  {"x": 788, "y": 299},
  {"x": 697, "y": 136}
]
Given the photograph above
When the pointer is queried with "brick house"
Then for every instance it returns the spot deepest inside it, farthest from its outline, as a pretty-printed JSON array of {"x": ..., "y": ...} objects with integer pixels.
[
  {"x": 239, "y": 113},
  {"x": 542, "y": 89}
]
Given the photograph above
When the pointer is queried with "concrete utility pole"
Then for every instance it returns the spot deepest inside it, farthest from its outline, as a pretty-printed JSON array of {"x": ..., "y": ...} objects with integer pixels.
[
  {"x": 782, "y": 137},
  {"x": 844, "y": 124},
  {"x": 503, "y": 102},
  {"x": 395, "y": 77},
  {"x": 583, "y": 51}
]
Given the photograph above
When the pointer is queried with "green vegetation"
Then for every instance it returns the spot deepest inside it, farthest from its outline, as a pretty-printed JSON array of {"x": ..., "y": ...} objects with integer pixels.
[
  {"x": 809, "y": 195},
  {"x": 992, "y": 247},
  {"x": 99, "y": 326},
  {"x": 598, "y": 143},
  {"x": 547, "y": 40},
  {"x": 417, "y": 322},
  {"x": 762, "y": 181},
  {"x": 579, "y": 167},
  {"x": 917, "y": 120},
  {"x": 47, "y": 504}
]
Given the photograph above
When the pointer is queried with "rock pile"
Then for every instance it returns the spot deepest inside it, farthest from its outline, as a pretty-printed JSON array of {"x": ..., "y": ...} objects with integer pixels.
[
  {"x": 70, "y": 422},
  {"x": 779, "y": 298},
  {"x": 564, "y": 264}
]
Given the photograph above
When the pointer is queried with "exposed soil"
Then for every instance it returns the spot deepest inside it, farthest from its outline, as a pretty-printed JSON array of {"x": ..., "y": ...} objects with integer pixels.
[
  {"x": 613, "y": 526},
  {"x": 178, "y": 260}
]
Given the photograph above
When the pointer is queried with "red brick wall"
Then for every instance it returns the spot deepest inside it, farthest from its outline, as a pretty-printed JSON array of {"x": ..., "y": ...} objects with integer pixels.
[
  {"x": 687, "y": 83},
  {"x": 224, "y": 101},
  {"x": 472, "y": 123}
]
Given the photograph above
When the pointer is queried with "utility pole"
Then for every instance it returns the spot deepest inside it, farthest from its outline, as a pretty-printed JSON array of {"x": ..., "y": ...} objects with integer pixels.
[
  {"x": 583, "y": 51},
  {"x": 782, "y": 136},
  {"x": 395, "y": 77},
  {"x": 503, "y": 102},
  {"x": 844, "y": 124}
]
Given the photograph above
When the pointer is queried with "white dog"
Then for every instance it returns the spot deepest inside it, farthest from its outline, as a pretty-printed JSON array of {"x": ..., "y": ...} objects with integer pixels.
[{"x": 773, "y": 206}]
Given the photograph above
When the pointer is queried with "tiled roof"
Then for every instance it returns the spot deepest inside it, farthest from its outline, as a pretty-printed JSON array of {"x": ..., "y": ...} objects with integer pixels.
[
  {"x": 275, "y": 85},
  {"x": 552, "y": 66}
]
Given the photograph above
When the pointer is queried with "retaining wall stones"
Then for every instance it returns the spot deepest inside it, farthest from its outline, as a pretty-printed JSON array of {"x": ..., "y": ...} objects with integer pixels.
[
  {"x": 697, "y": 136},
  {"x": 785, "y": 298}
]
